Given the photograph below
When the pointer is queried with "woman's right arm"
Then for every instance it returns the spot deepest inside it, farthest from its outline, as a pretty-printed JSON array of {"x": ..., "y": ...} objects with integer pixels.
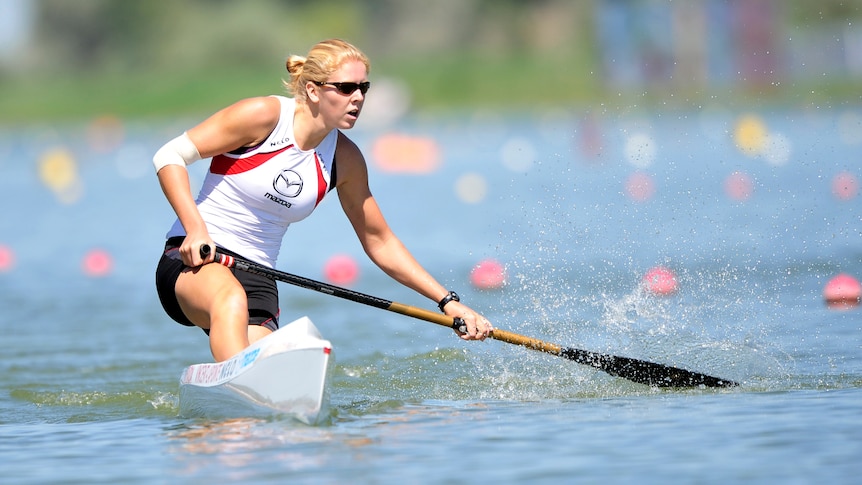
[
  {"x": 175, "y": 184},
  {"x": 245, "y": 123}
]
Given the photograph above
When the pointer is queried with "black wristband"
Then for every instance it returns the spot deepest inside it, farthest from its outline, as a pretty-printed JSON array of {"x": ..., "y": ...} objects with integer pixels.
[{"x": 451, "y": 296}]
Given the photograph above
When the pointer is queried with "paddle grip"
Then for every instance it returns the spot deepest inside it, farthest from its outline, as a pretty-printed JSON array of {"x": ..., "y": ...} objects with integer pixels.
[
  {"x": 459, "y": 325},
  {"x": 205, "y": 251}
]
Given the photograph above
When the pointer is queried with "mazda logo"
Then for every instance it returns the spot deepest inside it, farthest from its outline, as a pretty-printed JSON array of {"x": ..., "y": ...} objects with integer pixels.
[{"x": 288, "y": 183}]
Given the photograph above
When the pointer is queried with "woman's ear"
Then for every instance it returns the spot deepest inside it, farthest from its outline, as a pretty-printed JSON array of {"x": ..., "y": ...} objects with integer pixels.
[{"x": 311, "y": 93}]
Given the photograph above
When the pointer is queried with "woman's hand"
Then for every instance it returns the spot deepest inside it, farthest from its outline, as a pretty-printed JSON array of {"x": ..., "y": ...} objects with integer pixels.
[
  {"x": 190, "y": 250},
  {"x": 478, "y": 327}
]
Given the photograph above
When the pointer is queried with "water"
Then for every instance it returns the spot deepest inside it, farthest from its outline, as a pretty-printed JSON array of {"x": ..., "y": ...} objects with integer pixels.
[{"x": 90, "y": 368}]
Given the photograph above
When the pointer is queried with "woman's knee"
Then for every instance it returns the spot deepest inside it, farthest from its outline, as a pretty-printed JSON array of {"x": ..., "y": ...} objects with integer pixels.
[
  {"x": 231, "y": 301},
  {"x": 206, "y": 295}
]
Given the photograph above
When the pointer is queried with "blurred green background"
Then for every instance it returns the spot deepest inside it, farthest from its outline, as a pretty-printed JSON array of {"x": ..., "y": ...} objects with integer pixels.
[{"x": 66, "y": 60}]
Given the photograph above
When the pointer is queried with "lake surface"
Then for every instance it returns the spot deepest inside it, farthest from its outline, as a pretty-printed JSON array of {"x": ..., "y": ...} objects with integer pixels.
[{"x": 754, "y": 213}]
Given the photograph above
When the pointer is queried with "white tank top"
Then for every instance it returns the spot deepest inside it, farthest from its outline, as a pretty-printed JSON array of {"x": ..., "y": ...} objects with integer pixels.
[{"x": 250, "y": 196}]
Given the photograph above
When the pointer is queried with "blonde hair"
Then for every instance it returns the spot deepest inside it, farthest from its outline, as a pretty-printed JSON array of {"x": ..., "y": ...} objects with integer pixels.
[{"x": 322, "y": 60}]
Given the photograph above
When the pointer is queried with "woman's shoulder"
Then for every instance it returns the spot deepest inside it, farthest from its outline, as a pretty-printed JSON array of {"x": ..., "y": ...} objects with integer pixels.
[
  {"x": 258, "y": 106},
  {"x": 346, "y": 149},
  {"x": 260, "y": 111}
]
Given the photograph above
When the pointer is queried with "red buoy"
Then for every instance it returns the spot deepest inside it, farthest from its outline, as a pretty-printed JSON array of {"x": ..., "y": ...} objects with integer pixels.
[
  {"x": 341, "y": 269},
  {"x": 97, "y": 263},
  {"x": 488, "y": 274},
  {"x": 661, "y": 281},
  {"x": 7, "y": 258},
  {"x": 845, "y": 186},
  {"x": 842, "y": 291}
]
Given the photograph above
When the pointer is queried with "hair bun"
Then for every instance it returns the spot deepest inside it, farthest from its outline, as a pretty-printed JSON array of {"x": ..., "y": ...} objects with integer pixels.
[{"x": 294, "y": 64}]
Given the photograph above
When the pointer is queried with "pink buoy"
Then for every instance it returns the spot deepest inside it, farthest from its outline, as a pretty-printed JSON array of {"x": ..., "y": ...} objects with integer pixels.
[
  {"x": 640, "y": 187},
  {"x": 97, "y": 263},
  {"x": 845, "y": 186},
  {"x": 488, "y": 274},
  {"x": 739, "y": 186},
  {"x": 661, "y": 281},
  {"x": 7, "y": 259},
  {"x": 842, "y": 291},
  {"x": 341, "y": 269}
]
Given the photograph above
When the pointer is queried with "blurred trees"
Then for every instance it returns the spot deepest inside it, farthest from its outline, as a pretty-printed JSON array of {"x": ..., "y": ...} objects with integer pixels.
[
  {"x": 197, "y": 34},
  {"x": 491, "y": 52},
  {"x": 135, "y": 35}
]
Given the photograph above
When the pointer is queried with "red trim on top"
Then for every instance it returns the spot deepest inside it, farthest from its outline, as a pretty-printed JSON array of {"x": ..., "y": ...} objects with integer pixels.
[
  {"x": 321, "y": 182},
  {"x": 224, "y": 165}
]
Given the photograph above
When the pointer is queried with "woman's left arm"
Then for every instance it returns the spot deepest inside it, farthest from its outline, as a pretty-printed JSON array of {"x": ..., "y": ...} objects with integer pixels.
[{"x": 382, "y": 245}]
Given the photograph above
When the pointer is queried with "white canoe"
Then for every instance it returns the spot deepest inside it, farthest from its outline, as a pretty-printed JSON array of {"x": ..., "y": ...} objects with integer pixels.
[{"x": 285, "y": 373}]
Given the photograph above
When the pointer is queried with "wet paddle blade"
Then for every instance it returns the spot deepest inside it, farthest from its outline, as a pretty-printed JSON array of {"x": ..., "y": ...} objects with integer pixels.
[{"x": 644, "y": 372}]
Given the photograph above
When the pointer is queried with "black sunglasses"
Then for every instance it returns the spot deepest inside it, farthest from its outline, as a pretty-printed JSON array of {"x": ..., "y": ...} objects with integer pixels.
[{"x": 348, "y": 88}]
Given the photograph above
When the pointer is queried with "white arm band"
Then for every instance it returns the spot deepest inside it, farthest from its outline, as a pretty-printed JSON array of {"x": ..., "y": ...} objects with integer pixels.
[{"x": 179, "y": 151}]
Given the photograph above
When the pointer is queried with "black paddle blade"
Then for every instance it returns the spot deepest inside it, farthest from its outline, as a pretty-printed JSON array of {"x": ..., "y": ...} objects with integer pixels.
[{"x": 643, "y": 372}]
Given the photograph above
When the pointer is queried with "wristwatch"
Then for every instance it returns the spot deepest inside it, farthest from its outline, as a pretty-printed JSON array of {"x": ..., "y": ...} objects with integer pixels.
[{"x": 451, "y": 296}]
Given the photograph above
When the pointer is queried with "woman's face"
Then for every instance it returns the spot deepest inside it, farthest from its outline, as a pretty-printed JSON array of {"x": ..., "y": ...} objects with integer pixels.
[{"x": 341, "y": 110}]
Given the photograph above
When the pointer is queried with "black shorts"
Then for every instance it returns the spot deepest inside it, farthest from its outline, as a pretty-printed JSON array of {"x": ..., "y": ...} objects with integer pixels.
[{"x": 262, "y": 292}]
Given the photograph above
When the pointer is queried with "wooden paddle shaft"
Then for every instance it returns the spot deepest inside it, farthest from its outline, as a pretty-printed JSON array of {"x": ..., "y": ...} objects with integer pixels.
[{"x": 496, "y": 334}]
